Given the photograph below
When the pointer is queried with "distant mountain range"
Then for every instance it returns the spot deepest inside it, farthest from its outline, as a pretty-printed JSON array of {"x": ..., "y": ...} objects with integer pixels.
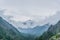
[
  {"x": 26, "y": 24},
  {"x": 33, "y": 27},
  {"x": 9, "y": 32},
  {"x": 36, "y": 31}
]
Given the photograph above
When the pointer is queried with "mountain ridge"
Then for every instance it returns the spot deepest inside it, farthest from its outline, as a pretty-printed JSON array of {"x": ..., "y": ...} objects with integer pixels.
[{"x": 9, "y": 32}]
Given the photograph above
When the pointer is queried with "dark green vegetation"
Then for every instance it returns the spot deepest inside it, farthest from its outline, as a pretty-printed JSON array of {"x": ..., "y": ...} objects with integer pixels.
[
  {"x": 8, "y": 32},
  {"x": 55, "y": 37},
  {"x": 53, "y": 30}
]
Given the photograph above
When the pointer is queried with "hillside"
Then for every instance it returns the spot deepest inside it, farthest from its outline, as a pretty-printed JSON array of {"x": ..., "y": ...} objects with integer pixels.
[
  {"x": 55, "y": 37},
  {"x": 9, "y": 32},
  {"x": 53, "y": 30}
]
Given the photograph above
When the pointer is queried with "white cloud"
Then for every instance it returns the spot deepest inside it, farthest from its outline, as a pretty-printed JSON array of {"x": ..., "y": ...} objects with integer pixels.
[
  {"x": 20, "y": 18},
  {"x": 15, "y": 16},
  {"x": 22, "y": 10}
]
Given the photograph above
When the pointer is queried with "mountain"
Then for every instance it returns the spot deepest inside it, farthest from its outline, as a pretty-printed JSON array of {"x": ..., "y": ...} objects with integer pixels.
[
  {"x": 26, "y": 24},
  {"x": 9, "y": 32},
  {"x": 36, "y": 31},
  {"x": 53, "y": 30},
  {"x": 33, "y": 28}
]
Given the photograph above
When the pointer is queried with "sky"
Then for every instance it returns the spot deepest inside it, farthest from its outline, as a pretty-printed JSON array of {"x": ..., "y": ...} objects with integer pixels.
[{"x": 23, "y": 10}]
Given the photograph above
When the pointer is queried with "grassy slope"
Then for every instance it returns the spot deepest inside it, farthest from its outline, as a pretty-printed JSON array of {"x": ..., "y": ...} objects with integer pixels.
[{"x": 55, "y": 37}]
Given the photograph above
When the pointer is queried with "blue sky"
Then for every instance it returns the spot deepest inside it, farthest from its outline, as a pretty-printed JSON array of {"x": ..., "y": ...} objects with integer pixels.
[{"x": 22, "y": 10}]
